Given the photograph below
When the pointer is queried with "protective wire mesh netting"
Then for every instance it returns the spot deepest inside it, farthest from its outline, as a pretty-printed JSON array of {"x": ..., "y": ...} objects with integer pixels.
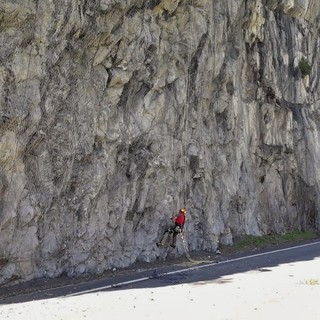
[
  {"x": 68, "y": 69},
  {"x": 35, "y": 103}
]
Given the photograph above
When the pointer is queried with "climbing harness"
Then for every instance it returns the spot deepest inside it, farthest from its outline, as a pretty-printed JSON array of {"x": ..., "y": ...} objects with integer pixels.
[{"x": 166, "y": 239}]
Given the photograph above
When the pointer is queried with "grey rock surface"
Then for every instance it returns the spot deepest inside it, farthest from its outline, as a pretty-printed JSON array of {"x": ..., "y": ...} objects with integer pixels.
[{"x": 115, "y": 113}]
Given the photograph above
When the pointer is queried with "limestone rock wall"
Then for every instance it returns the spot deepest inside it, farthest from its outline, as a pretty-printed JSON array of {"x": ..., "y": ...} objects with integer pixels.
[{"x": 115, "y": 113}]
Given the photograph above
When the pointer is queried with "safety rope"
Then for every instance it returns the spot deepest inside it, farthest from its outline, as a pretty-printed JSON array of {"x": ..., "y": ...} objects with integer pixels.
[
  {"x": 186, "y": 109},
  {"x": 186, "y": 249}
]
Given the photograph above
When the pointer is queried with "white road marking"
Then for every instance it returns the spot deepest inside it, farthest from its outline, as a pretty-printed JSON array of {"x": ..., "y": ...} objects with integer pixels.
[{"x": 188, "y": 269}]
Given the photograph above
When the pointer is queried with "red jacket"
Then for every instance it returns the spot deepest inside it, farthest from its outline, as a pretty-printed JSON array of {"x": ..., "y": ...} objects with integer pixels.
[{"x": 180, "y": 219}]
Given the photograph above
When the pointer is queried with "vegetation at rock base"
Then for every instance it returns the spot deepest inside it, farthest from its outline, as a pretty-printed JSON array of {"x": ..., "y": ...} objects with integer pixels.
[{"x": 251, "y": 242}]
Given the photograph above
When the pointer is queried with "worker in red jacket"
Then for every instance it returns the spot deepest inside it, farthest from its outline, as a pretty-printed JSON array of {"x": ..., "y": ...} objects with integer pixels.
[{"x": 177, "y": 228}]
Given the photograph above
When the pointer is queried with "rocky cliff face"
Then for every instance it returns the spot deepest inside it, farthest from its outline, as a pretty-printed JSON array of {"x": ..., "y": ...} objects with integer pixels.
[{"x": 114, "y": 113}]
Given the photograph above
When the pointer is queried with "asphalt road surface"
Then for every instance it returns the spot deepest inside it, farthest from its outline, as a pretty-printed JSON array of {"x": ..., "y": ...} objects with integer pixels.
[{"x": 280, "y": 284}]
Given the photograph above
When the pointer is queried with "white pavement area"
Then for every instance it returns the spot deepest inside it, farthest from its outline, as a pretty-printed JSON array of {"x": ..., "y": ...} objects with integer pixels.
[{"x": 288, "y": 291}]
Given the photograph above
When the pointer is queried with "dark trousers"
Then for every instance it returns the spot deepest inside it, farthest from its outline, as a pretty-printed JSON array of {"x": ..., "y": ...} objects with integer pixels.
[{"x": 175, "y": 230}]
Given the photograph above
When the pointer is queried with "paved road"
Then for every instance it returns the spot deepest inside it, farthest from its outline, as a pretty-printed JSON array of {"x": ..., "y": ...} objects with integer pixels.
[{"x": 257, "y": 286}]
